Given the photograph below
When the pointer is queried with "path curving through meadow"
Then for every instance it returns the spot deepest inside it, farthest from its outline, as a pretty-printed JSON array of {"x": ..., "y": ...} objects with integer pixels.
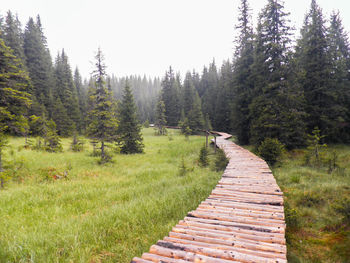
[{"x": 242, "y": 220}]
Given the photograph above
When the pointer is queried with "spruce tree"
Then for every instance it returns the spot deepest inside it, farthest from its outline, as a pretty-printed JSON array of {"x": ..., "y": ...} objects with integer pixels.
[
  {"x": 170, "y": 97},
  {"x": 242, "y": 75},
  {"x": 274, "y": 113},
  {"x": 102, "y": 118},
  {"x": 314, "y": 68},
  {"x": 224, "y": 99},
  {"x": 129, "y": 129},
  {"x": 338, "y": 128},
  {"x": 14, "y": 98},
  {"x": 82, "y": 99},
  {"x": 65, "y": 91},
  {"x": 160, "y": 122},
  {"x": 39, "y": 64},
  {"x": 13, "y": 35}
]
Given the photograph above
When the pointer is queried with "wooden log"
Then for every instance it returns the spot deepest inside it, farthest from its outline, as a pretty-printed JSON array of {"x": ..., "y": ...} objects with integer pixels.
[
  {"x": 189, "y": 256},
  {"x": 215, "y": 253},
  {"x": 157, "y": 258},
  {"x": 267, "y": 229},
  {"x": 235, "y": 234},
  {"x": 237, "y": 230},
  {"x": 238, "y": 219},
  {"x": 244, "y": 200},
  {"x": 262, "y": 254},
  {"x": 271, "y": 215},
  {"x": 240, "y": 205},
  {"x": 234, "y": 243},
  {"x": 140, "y": 260}
]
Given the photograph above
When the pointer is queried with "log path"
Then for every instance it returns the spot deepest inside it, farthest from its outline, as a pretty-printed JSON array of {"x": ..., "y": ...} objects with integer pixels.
[{"x": 241, "y": 221}]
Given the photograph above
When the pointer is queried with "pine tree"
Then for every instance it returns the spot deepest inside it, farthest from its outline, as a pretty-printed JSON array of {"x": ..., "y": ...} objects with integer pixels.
[
  {"x": 209, "y": 88},
  {"x": 160, "y": 118},
  {"x": 203, "y": 157},
  {"x": 14, "y": 84},
  {"x": 13, "y": 35},
  {"x": 39, "y": 64},
  {"x": 224, "y": 99},
  {"x": 338, "y": 91},
  {"x": 313, "y": 62},
  {"x": 192, "y": 108},
  {"x": 242, "y": 76},
  {"x": 66, "y": 92},
  {"x": 82, "y": 99},
  {"x": 129, "y": 128},
  {"x": 273, "y": 111},
  {"x": 102, "y": 118},
  {"x": 170, "y": 97},
  {"x": 14, "y": 98}
]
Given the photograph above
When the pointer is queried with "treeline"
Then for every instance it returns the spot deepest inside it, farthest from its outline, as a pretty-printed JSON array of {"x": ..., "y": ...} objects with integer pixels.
[
  {"x": 55, "y": 91},
  {"x": 274, "y": 87},
  {"x": 145, "y": 91}
]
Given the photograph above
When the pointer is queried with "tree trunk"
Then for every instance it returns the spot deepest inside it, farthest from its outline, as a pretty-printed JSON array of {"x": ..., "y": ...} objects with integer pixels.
[
  {"x": 1, "y": 170},
  {"x": 102, "y": 150},
  {"x": 206, "y": 139}
]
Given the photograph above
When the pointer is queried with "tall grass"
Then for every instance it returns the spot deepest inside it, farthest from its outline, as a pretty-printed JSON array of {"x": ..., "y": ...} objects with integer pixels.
[{"x": 99, "y": 213}]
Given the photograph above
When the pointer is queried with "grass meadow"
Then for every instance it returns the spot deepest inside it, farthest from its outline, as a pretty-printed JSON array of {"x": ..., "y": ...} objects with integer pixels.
[{"x": 96, "y": 213}]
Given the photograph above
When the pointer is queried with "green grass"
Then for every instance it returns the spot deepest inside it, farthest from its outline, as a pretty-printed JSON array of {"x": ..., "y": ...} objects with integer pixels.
[
  {"x": 317, "y": 206},
  {"x": 100, "y": 213}
]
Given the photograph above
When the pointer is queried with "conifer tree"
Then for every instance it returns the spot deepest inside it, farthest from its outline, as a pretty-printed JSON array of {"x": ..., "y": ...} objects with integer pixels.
[
  {"x": 82, "y": 99},
  {"x": 39, "y": 64},
  {"x": 13, "y": 35},
  {"x": 160, "y": 118},
  {"x": 313, "y": 62},
  {"x": 242, "y": 76},
  {"x": 170, "y": 97},
  {"x": 129, "y": 129},
  {"x": 224, "y": 99},
  {"x": 14, "y": 98},
  {"x": 338, "y": 129},
  {"x": 66, "y": 92},
  {"x": 209, "y": 87},
  {"x": 274, "y": 113},
  {"x": 102, "y": 118}
]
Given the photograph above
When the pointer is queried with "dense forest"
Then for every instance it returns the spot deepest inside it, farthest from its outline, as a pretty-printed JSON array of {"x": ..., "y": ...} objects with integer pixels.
[{"x": 273, "y": 88}]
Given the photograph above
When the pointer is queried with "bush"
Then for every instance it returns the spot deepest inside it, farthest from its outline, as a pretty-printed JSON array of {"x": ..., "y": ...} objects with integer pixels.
[
  {"x": 221, "y": 161},
  {"x": 271, "y": 150},
  {"x": 343, "y": 208},
  {"x": 203, "y": 157}
]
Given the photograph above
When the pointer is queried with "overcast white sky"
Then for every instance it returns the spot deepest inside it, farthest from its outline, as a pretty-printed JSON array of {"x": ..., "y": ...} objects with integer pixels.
[{"x": 146, "y": 36}]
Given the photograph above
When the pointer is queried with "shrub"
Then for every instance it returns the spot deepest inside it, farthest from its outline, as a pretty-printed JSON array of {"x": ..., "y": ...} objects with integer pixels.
[
  {"x": 271, "y": 150},
  {"x": 77, "y": 144},
  {"x": 343, "y": 208},
  {"x": 203, "y": 157},
  {"x": 221, "y": 161},
  {"x": 183, "y": 168}
]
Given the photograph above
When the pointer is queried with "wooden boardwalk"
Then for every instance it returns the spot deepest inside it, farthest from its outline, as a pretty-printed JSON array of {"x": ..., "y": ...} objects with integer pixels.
[{"x": 241, "y": 221}]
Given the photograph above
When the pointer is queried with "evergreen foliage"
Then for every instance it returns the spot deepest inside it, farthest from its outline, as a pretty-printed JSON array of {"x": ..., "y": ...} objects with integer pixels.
[
  {"x": 203, "y": 157},
  {"x": 171, "y": 97},
  {"x": 102, "y": 117},
  {"x": 270, "y": 150},
  {"x": 39, "y": 64},
  {"x": 66, "y": 97},
  {"x": 160, "y": 118},
  {"x": 221, "y": 160},
  {"x": 129, "y": 129}
]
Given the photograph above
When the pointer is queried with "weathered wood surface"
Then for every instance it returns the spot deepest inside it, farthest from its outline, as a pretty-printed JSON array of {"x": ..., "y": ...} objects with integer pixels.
[{"x": 241, "y": 221}]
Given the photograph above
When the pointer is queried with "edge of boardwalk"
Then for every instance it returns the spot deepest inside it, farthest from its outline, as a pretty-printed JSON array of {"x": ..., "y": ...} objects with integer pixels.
[{"x": 242, "y": 220}]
